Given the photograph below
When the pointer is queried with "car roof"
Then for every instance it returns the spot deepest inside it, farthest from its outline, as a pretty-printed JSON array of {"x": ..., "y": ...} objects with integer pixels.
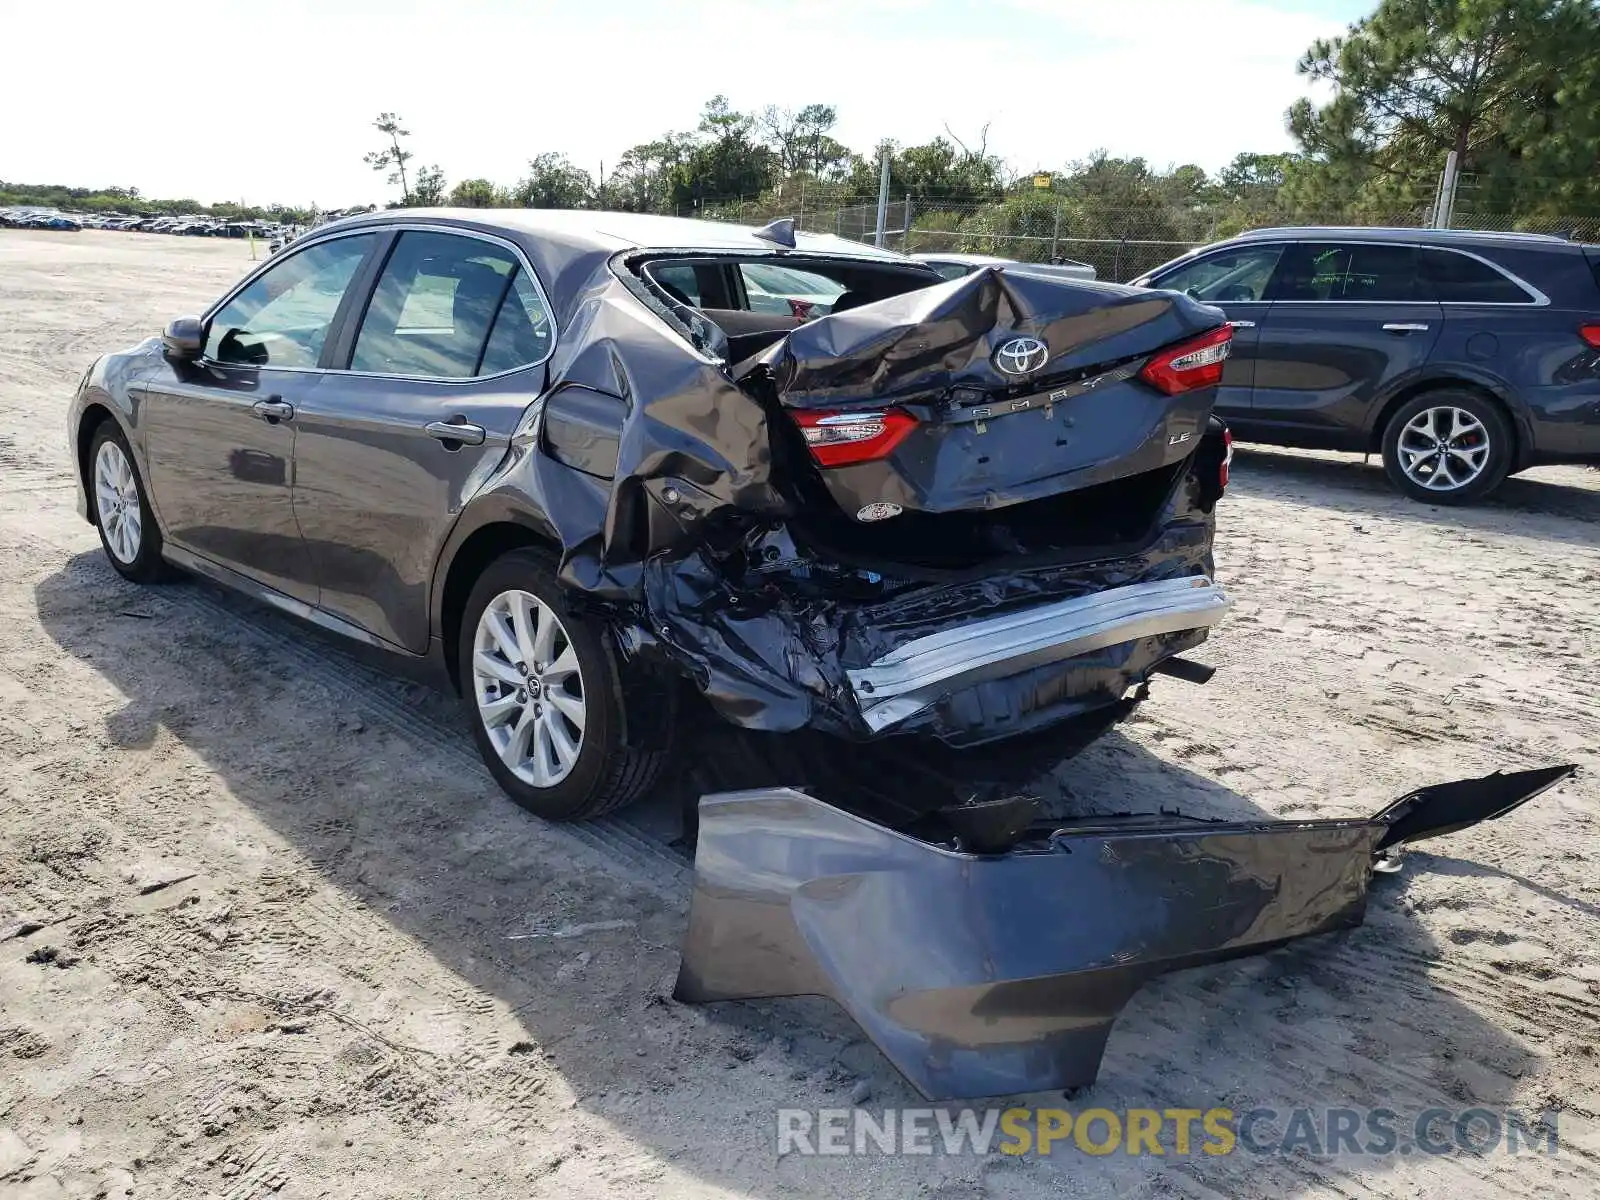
[
  {"x": 1384, "y": 233},
  {"x": 613, "y": 231}
]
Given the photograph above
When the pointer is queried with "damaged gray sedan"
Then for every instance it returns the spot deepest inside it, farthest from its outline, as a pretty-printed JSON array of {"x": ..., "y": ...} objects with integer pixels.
[
  {"x": 577, "y": 459},
  {"x": 590, "y": 465}
]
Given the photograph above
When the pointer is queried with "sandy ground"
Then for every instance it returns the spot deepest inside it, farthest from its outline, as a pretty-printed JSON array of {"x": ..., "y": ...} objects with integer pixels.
[{"x": 267, "y": 928}]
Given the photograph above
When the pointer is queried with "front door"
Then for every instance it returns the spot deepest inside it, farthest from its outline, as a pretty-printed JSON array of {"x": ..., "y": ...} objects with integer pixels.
[
  {"x": 446, "y": 360},
  {"x": 1348, "y": 321},
  {"x": 1236, "y": 281},
  {"x": 219, "y": 432}
]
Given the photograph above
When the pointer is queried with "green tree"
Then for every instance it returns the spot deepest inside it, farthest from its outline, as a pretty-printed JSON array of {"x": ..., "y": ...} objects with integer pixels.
[
  {"x": 475, "y": 193},
  {"x": 728, "y": 159},
  {"x": 391, "y": 158},
  {"x": 1511, "y": 86},
  {"x": 429, "y": 192},
  {"x": 553, "y": 181}
]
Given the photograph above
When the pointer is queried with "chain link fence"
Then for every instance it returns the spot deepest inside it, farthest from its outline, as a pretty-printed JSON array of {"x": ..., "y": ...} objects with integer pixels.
[{"x": 1120, "y": 242}]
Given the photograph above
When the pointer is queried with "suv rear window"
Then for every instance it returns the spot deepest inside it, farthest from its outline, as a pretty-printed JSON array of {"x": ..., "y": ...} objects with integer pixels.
[{"x": 1461, "y": 279}]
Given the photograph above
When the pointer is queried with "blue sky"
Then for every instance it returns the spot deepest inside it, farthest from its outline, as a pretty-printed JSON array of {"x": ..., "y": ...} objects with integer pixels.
[{"x": 273, "y": 101}]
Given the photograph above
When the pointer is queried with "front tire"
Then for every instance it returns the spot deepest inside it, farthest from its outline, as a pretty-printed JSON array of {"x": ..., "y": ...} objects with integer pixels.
[
  {"x": 568, "y": 729},
  {"x": 128, "y": 532},
  {"x": 1448, "y": 446}
]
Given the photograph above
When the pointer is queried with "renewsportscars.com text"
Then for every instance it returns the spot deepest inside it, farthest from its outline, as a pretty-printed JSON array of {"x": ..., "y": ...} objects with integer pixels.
[{"x": 1174, "y": 1132}]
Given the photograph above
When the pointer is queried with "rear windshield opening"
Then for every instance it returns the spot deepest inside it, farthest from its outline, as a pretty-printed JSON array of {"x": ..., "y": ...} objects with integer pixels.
[{"x": 756, "y": 300}]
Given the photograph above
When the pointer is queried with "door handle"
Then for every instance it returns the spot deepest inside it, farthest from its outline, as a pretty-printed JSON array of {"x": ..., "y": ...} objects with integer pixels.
[
  {"x": 1405, "y": 327},
  {"x": 1242, "y": 324},
  {"x": 272, "y": 410},
  {"x": 462, "y": 432}
]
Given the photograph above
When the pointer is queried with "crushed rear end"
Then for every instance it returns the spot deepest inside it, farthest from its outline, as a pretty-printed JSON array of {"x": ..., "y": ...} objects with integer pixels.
[{"x": 999, "y": 514}]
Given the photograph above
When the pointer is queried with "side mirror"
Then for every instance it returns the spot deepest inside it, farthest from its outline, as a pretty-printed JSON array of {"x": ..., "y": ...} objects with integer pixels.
[{"x": 185, "y": 337}]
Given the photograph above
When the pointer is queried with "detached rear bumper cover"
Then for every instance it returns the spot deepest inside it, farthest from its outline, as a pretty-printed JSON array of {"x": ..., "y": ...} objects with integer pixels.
[
  {"x": 993, "y": 975},
  {"x": 917, "y": 674}
]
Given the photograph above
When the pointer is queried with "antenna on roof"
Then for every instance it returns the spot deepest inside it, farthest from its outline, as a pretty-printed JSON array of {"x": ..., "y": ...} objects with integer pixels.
[{"x": 779, "y": 232}]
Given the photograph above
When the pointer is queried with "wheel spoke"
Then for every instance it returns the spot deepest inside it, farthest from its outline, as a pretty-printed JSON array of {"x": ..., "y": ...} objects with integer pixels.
[
  {"x": 505, "y": 638},
  {"x": 563, "y": 667},
  {"x": 487, "y": 664},
  {"x": 547, "y": 767},
  {"x": 523, "y": 620},
  {"x": 500, "y": 709},
  {"x": 566, "y": 749},
  {"x": 544, "y": 641},
  {"x": 516, "y": 751},
  {"x": 571, "y": 707}
]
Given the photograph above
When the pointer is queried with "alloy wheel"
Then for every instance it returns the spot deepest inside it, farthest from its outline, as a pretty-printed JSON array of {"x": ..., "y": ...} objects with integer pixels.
[
  {"x": 1442, "y": 449},
  {"x": 116, "y": 497},
  {"x": 528, "y": 688}
]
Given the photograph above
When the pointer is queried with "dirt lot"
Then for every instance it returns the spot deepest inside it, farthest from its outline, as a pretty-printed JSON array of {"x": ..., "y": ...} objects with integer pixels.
[{"x": 267, "y": 928}]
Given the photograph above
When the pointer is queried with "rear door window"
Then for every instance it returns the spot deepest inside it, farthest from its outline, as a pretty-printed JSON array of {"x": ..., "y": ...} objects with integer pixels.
[
  {"x": 1350, "y": 272},
  {"x": 1233, "y": 276},
  {"x": 438, "y": 299},
  {"x": 522, "y": 332},
  {"x": 1461, "y": 279}
]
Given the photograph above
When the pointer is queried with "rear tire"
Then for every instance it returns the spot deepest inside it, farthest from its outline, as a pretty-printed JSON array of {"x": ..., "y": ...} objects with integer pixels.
[
  {"x": 568, "y": 729},
  {"x": 121, "y": 509},
  {"x": 1448, "y": 446}
]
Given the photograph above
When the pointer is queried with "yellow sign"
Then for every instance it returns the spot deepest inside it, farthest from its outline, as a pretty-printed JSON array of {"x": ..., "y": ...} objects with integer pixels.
[{"x": 1041, "y": 180}]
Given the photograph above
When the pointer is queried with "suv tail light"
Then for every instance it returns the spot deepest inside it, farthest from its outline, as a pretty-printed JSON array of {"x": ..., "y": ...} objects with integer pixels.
[
  {"x": 1590, "y": 334},
  {"x": 1196, "y": 363},
  {"x": 838, "y": 439}
]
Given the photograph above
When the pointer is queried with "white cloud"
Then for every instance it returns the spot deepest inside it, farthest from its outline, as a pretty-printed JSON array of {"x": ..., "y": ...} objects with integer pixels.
[{"x": 274, "y": 102}]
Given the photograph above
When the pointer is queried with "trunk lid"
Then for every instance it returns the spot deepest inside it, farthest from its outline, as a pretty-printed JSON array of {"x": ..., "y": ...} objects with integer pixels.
[{"x": 1000, "y": 388}]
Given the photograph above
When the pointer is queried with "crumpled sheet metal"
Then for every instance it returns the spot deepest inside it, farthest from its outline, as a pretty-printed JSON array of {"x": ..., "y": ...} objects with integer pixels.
[
  {"x": 987, "y": 975},
  {"x": 780, "y": 665},
  {"x": 912, "y": 347}
]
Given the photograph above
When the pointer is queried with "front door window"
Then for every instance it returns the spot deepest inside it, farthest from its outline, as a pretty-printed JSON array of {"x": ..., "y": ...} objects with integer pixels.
[{"x": 282, "y": 318}]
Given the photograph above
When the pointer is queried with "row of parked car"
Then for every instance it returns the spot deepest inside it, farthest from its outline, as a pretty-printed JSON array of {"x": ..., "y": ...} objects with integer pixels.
[{"x": 191, "y": 226}]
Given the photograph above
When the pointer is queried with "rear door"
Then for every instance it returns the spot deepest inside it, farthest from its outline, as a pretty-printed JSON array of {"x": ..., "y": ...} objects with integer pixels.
[
  {"x": 1349, "y": 321},
  {"x": 1236, "y": 281},
  {"x": 443, "y": 362}
]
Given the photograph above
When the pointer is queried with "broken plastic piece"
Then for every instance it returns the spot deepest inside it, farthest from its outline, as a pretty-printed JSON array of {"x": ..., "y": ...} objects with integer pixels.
[{"x": 986, "y": 975}]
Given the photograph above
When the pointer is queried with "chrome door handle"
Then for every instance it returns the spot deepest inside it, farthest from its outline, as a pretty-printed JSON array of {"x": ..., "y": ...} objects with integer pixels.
[
  {"x": 272, "y": 410},
  {"x": 463, "y": 432},
  {"x": 1242, "y": 324},
  {"x": 1405, "y": 327}
]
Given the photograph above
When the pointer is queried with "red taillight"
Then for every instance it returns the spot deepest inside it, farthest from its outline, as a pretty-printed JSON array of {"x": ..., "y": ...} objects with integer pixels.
[
  {"x": 838, "y": 439},
  {"x": 1227, "y": 458},
  {"x": 1590, "y": 334},
  {"x": 1196, "y": 363}
]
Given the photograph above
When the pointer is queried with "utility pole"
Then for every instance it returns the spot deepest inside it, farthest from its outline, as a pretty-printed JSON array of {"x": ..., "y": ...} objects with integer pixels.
[
  {"x": 883, "y": 198},
  {"x": 1447, "y": 193}
]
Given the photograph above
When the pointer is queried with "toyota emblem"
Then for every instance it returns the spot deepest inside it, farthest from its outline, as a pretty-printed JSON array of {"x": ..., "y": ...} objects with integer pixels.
[{"x": 1021, "y": 356}]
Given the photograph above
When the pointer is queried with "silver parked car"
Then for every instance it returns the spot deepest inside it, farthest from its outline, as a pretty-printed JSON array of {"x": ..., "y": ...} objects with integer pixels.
[{"x": 953, "y": 266}]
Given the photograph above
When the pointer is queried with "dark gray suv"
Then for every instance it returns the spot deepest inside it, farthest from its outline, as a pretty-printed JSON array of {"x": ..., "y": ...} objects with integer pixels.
[
  {"x": 1463, "y": 357},
  {"x": 575, "y": 460}
]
